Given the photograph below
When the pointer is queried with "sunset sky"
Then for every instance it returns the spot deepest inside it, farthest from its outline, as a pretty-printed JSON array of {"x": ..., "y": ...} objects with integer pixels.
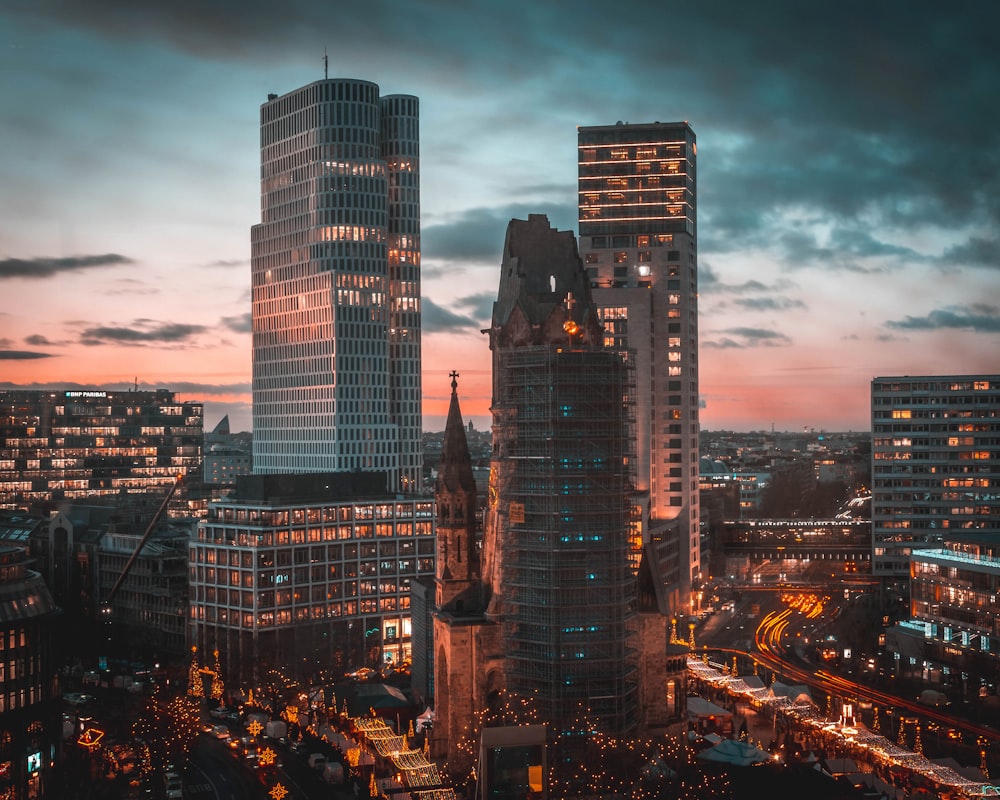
[{"x": 848, "y": 196}]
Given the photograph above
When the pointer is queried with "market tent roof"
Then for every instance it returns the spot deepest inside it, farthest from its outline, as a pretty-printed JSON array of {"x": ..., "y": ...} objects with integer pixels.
[
  {"x": 700, "y": 707},
  {"x": 735, "y": 751}
]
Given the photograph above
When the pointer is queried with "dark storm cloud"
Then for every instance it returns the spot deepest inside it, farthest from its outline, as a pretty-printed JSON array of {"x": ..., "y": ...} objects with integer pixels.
[
  {"x": 242, "y": 323},
  {"x": 21, "y": 355},
  {"x": 976, "y": 252},
  {"x": 979, "y": 318},
  {"x": 143, "y": 332},
  {"x": 47, "y": 267},
  {"x": 435, "y": 319},
  {"x": 477, "y": 235},
  {"x": 871, "y": 112},
  {"x": 746, "y": 337}
]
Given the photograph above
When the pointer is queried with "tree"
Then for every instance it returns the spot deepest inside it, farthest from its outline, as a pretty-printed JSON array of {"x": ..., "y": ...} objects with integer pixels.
[{"x": 167, "y": 727}]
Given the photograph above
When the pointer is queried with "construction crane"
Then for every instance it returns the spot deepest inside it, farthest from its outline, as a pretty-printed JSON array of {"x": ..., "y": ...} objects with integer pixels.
[{"x": 106, "y": 608}]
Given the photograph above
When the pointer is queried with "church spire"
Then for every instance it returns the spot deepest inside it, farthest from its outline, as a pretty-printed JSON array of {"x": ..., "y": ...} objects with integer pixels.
[
  {"x": 455, "y": 471},
  {"x": 455, "y": 495}
]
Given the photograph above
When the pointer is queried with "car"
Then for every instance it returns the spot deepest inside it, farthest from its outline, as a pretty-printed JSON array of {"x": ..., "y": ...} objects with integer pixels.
[{"x": 220, "y": 732}]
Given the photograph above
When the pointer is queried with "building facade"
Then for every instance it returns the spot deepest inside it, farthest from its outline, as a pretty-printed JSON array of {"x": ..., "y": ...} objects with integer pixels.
[
  {"x": 30, "y": 704},
  {"x": 935, "y": 464},
  {"x": 638, "y": 240},
  {"x": 953, "y": 634},
  {"x": 88, "y": 444},
  {"x": 307, "y": 572},
  {"x": 336, "y": 284},
  {"x": 556, "y": 549}
]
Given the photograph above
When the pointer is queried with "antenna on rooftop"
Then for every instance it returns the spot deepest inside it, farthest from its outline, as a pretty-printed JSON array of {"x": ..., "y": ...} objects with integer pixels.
[{"x": 326, "y": 65}]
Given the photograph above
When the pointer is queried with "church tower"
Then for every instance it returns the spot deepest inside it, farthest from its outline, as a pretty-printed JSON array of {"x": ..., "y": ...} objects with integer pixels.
[
  {"x": 455, "y": 493},
  {"x": 466, "y": 665}
]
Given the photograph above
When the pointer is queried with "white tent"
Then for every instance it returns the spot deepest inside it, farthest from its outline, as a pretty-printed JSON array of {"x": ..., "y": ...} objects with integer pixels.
[
  {"x": 425, "y": 719},
  {"x": 734, "y": 751}
]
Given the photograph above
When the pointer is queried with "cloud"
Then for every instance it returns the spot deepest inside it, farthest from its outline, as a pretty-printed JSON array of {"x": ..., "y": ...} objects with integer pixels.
[
  {"x": 976, "y": 252},
  {"x": 231, "y": 262},
  {"x": 769, "y": 303},
  {"x": 38, "y": 340},
  {"x": 243, "y": 323},
  {"x": 22, "y": 355},
  {"x": 142, "y": 332},
  {"x": 709, "y": 282},
  {"x": 481, "y": 304},
  {"x": 740, "y": 337},
  {"x": 43, "y": 267},
  {"x": 979, "y": 318},
  {"x": 435, "y": 319},
  {"x": 477, "y": 234}
]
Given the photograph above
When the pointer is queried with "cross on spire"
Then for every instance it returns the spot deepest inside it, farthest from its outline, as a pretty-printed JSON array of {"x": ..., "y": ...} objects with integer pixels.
[
  {"x": 569, "y": 303},
  {"x": 454, "y": 382}
]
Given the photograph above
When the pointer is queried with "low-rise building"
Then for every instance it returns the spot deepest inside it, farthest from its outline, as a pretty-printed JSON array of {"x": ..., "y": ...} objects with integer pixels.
[{"x": 306, "y": 573}]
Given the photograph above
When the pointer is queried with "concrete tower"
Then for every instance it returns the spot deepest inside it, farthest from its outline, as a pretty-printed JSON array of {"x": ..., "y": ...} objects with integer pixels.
[
  {"x": 336, "y": 284},
  {"x": 638, "y": 241}
]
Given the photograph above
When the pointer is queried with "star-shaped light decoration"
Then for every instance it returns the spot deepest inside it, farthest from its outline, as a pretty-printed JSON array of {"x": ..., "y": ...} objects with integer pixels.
[
  {"x": 278, "y": 792},
  {"x": 266, "y": 757},
  {"x": 255, "y": 727}
]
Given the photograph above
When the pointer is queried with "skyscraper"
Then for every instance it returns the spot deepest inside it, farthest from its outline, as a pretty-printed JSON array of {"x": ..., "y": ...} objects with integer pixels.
[
  {"x": 935, "y": 466},
  {"x": 638, "y": 240},
  {"x": 336, "y": 284},
  {"x": 555, "y": 552}
]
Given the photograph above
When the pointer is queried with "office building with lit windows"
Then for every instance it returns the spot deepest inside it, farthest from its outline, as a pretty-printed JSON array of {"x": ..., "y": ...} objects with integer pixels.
[
  {"x": 77, "y": 444},
  {"x": 638, "y": 241},
  {"x": 30, "y": 703},
  {"x": 308, "y": 572},
  {"x": 336, "y": 284},
  {"x": 935, "y": 464},
  {"x": 953, "y": 634}
]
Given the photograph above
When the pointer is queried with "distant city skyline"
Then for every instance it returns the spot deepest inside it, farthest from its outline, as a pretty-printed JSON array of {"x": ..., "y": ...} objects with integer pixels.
[{"x": 847, "y": 189}]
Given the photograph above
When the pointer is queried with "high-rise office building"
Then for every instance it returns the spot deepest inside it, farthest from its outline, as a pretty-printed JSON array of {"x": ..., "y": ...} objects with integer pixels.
[
  {"x": 92, "y": 443},
  {"x": 555, "y": 551},
  {"x": 336, "y": 284},
  {"x": 935, "y": 464},
  {"x": 638, "y": 240}
]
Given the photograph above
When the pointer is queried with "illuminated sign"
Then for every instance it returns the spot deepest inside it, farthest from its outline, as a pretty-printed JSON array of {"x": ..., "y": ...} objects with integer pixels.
[
  {"x": 34, "y": 761},
  {"x": 86, "y": 394}
]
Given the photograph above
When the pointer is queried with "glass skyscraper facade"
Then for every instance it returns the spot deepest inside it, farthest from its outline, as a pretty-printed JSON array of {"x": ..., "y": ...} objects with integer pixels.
[{"x": 336, "y": 284}]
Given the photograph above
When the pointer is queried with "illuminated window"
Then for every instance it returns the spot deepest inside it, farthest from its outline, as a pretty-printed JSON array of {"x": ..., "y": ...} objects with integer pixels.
[
  {"x": 901, "y": 413},
  {"x": 645, "y": 255},
  {"x": 621, "y": 257}
]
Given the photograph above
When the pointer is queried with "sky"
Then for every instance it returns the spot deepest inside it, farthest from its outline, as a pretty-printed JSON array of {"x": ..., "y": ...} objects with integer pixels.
[{"x": 848, "y": 182}]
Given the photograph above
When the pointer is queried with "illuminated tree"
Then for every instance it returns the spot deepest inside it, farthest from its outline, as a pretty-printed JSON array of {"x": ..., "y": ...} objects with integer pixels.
[
  {"x": 218, "y": 687},
  {"x": 195, "y": 687},
  {"x": 167, "y": 728}
]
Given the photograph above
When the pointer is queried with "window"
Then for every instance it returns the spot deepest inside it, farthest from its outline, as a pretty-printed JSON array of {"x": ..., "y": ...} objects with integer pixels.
[
  {"x": 621, "y": 257},
  {"x": 592, "y": 258}
]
